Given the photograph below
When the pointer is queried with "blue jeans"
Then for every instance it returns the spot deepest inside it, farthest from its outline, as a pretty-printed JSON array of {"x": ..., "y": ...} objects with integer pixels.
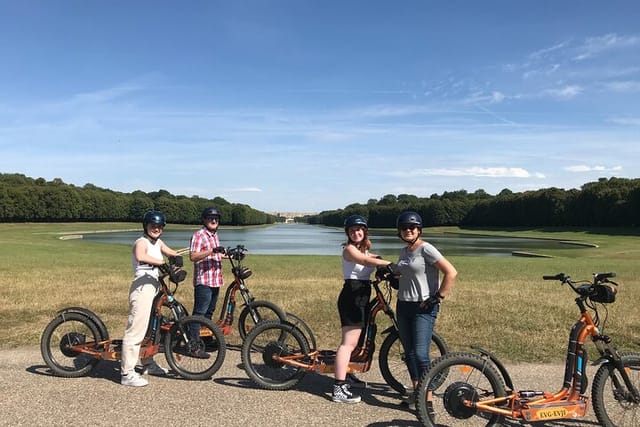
[
  {"x": 415, "y": 326},
  {"x": 204, "y": 300},
  {"x": 204, "y": 303}
]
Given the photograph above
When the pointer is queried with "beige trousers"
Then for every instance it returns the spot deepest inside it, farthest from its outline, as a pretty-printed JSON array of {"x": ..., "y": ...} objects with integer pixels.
[{"x": 141, "y": 295}]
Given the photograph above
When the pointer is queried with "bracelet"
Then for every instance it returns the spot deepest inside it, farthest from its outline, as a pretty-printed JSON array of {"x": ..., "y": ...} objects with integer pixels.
[{"x": 439, "y": 295}]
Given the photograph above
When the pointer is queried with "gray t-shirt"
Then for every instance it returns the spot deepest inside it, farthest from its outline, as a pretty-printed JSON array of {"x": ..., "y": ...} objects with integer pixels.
[{"x": 420, "y": 278}]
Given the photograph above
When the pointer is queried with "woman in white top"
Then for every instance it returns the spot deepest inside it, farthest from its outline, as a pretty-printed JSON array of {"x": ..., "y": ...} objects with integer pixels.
[
  {"x": 147, "y": 254},
  {"x": 357, "y": 265}
]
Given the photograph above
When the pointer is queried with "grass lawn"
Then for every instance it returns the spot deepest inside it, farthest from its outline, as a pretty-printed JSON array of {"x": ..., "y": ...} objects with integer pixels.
[{"x": 500, "y": 303}]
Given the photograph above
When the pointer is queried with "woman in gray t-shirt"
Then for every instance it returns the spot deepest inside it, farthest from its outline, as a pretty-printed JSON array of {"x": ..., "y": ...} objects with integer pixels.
[{"x": 419, "y": 294}]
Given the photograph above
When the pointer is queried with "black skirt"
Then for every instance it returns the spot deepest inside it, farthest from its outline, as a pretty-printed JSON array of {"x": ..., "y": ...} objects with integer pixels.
[{"x": 353, "y": 302}]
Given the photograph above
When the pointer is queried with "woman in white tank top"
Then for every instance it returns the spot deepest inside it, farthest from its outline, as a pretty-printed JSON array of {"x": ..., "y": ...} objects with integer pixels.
[
  {"x": 147, "y": 254},
  {"x": 357, "y": 265}
]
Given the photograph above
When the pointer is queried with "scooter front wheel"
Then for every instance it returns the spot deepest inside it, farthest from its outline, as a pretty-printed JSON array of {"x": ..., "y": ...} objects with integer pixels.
[
  {"x": 256, "y": 312},
  {"x": 393, "y": 365},
  {"x": 613, "y": 401},
  {"x": 195, "y": 348}
]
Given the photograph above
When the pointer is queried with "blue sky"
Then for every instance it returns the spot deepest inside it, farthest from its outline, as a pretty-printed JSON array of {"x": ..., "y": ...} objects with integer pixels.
[{"x": 297, "y": 105}]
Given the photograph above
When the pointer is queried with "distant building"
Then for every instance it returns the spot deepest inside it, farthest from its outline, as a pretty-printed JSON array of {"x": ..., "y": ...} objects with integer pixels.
[{"x": 290, "y": 217}]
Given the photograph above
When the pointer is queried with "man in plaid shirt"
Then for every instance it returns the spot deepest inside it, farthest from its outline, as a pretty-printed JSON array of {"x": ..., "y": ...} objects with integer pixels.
[{"x": 206, "y": 254}]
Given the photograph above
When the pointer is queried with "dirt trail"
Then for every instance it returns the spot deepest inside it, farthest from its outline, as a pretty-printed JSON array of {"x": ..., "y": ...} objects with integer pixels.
[{"x": 31, "y": 396}]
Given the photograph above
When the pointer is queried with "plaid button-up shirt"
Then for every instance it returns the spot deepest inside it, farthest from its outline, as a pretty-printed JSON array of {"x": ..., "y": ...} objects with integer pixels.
[{"x": 207, "y": 271}]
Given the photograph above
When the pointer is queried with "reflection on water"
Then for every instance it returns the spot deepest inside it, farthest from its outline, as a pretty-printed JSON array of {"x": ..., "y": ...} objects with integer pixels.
[{"x": 303, "y": 239}]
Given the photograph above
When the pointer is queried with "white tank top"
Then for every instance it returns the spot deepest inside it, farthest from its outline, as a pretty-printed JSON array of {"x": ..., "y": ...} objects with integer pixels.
[
  {"x": 351, "y": 270},
  {"x": 153, "y": 250}
]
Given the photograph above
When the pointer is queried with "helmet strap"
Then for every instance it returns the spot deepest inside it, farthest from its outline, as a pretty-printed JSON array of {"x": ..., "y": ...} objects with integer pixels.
[
  {"x": 410, "y": 242},
  {"x": 149, "y": 238}
]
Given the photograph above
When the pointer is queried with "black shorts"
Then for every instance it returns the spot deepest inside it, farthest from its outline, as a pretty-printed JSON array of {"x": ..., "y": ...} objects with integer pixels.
[{"x": 353, "y": 302}]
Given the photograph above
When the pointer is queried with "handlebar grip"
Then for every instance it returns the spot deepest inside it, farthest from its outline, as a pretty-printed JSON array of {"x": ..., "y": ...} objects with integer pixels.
[{"x": 559, "y": 276}]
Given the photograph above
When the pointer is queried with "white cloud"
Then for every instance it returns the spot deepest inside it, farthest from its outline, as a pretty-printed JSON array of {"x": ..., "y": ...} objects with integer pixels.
[
  {"x": 500, "y": 172},
  {"x": 566, "y": 92},
  {"x": 545, "y": 71},
  {"x": 494, "y": 97},
  {"x": 244, "y": 190},
  {"x": 593, "y": 46},
  {"x": 543, "y": 53},
  {"x": 627, "y": 121},
  {"x": 623, "y": 86},
  {"x": 597, "y": 168}
]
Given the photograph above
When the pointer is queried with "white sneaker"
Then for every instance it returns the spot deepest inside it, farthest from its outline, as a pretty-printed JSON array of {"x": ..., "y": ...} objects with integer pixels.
[
  {"x": 133, "y": 379},
  {"x": 154, "y": 369}
]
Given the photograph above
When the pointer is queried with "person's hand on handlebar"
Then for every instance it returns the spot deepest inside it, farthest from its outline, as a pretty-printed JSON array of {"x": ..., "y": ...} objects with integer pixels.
[{"x": 390, "y": 273}]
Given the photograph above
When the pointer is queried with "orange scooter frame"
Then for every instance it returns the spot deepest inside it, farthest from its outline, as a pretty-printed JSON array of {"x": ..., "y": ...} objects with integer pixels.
[
  {"x": 276, "y": 355},
  {"x": 77, "y": 339},
  {"x": 461, "y": 386}
]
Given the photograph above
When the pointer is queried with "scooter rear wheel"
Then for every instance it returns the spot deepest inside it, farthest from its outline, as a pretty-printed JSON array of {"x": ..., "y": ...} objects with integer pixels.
[
  {"x": 265, "y": 352},
  {"x": 450, "y": 381},
  {"x": 58, "y": 340}
]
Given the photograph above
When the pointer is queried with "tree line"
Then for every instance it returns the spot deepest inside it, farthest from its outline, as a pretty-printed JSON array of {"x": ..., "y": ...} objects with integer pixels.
[
  {"x": 613, "y": 202},
  {"x": 25, "y": 199}
]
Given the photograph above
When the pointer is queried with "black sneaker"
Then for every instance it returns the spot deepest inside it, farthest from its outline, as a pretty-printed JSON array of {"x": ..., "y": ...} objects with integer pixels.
[
  {"x": 342, "y": 394},
  {"x": 199, "y": 353},
  {"x": 409, "y": 400},
  {"x": 210, "y": 344},
  {"x": 355, "y": 382}
]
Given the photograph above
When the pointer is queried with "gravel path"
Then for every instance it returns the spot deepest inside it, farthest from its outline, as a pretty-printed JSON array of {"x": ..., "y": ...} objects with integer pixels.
[{"x": 31, "y": 396}]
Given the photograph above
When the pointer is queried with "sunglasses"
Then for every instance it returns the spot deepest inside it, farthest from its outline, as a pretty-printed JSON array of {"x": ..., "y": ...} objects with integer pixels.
[
  {"x": 408, "y": 227},
  {"x": 212, "y": 218}
]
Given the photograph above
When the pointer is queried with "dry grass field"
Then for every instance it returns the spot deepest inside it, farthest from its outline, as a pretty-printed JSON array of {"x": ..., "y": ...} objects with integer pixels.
[{"x": 500, "y": 303}]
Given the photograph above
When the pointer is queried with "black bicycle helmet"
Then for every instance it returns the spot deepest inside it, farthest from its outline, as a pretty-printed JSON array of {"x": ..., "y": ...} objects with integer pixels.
[
  {"x": 153, "y": 217},
  {"x": 211, "y": 211},
  {"x": 409, "y": 218},
  {"x": 354, "y": 220}
]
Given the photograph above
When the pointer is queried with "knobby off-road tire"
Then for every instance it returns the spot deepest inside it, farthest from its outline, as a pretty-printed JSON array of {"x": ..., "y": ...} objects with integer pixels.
[
  {"x": 171, "y": 312},
  {"x": 256, "y": 312},
  {"x": 392, "y": 361},
  {"x": 266, "y": 341},
  {"x": 612, "y": 401},
  {"x": 179, "y": 345},
  {"x": 64, "y": 331},
  {"x": 452, "y": 378},
  {"x": 304, "y": 328}
]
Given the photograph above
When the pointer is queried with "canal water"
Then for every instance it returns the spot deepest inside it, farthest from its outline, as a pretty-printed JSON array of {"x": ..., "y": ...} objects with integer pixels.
[{"x": 305, "y": 239}]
